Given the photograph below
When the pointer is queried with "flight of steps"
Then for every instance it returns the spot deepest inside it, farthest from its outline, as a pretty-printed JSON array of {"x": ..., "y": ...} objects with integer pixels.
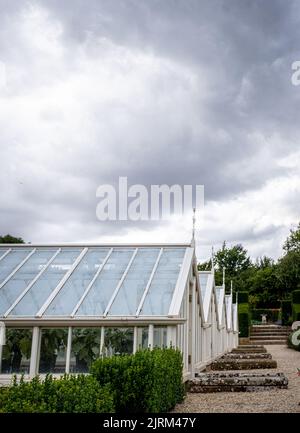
[
  {"x": 269, "y": 334},
  {"x": 244, "y": 357}
]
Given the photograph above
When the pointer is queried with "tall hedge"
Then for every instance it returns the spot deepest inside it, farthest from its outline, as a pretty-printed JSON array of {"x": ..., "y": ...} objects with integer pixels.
[
  {"x": 69, "y": 394},
  {"x": 286, "y": 312},
  {"x": 296, "y": 304},
  {"x": 243, "y": 314},
  {"x": 148, "y": 381}
]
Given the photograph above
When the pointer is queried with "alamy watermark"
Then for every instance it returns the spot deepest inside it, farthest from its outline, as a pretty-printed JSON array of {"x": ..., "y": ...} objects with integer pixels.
[
  {"x": 295, "y": 78},
  {"x": 139, "y": 203}
]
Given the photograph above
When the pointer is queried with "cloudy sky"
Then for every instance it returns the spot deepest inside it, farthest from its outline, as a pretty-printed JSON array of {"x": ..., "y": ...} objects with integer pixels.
[{"x": 163, "y": 92}]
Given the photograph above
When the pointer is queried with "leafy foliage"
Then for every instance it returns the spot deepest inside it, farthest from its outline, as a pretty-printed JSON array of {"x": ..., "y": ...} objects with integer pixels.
[
  {"x": 148, "y": 381},
  {"x": 8, "y": 239},
  {"x": 266, "y": 281},
  {"x": 69, "y": 394}
]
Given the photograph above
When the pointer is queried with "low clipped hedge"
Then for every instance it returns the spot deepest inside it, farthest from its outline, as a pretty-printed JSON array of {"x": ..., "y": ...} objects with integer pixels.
[
  {"x": 296, "y": 305},
  {"x": 69, "y": 394},
  {"x": 286, "y": 312},
  {"x": 271, "y": 313},
  {"x": 243, "y": 314},
  {"x": 148, "y": 381}
]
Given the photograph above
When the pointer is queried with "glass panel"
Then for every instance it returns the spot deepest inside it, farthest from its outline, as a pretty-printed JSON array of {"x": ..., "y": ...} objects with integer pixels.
[
  {"x": 16, "y": 352},
  {"x": 53, "y": 350},
  {"x": 42, "y": 288},
  {"x": 203, "y": 283},
  {"x": 97, "y": 299},
  {"x": 85, "y": 348},
  {"x": 21, "y": 279},
  {"x": 158, "y": 299},
  {"x": 73, "y": 289},
  {"x": 160, "y": 336},
  {"x": 132, "y": 289},
  {"x": 11, "y": 261},
  {"x": 118, "y": 341},
  {"x": 142, "y": 338}
]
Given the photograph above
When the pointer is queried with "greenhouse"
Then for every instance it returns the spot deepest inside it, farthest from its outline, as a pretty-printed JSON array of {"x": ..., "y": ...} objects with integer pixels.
[{"x": 63, "y": 306}]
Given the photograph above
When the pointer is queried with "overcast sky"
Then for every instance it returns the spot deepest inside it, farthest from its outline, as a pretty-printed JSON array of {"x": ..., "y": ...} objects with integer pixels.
[{"x": 160, "y": 91}]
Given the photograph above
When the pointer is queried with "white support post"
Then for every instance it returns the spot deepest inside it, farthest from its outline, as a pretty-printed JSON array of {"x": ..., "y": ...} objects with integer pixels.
[
  {"x": 193, "y": 336},
  {"x": 150, "y": 336},
  {"x": 102, "y": 340},
  {"x": 69, "y": 348},
  {"x": 135, "y": 337},
  {"x": 34, "y": 361},
  {"x": 171, "y": 336}
]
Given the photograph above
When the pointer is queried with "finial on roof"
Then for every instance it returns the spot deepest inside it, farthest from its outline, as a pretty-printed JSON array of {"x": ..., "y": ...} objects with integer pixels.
[
  {"x": 231, "y": 287},
  {"x": 194, "y": 224},
  {"x": 224, "y": 277}
]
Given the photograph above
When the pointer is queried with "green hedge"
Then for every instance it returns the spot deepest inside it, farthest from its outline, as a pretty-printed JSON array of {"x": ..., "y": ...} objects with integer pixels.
[
  {"x": 148, "y": 381},
  {"x": 69, "y": 394},
  {"x": 286, "y": 312},
  {"x": 296, "y": 305},
  {"x": 296, "y": 297},
  {"x": 272, "y": 314},
  {"x": 243, "y": 297},
  {"x": 243, "y": 314}
]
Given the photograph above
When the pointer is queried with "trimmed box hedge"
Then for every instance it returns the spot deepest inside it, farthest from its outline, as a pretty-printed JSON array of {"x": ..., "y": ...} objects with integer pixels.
[
  {"x": 69, "y": 394},
  {"x": 148, "y": 381}
]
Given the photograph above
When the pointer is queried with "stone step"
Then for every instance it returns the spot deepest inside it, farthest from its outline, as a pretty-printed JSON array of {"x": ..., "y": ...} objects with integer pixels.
[
  {"x": 267, "y": 342},
  {"x": 247, "y": 356},
  {"x": 270, "y": 332},
  {"x": 242, "y": 364},
  {"x": 270, "y": 328},
  {"x": 268, "y": 337},
  {"x": 237, "y": 382},
  {"x": 249, "y": 350}
]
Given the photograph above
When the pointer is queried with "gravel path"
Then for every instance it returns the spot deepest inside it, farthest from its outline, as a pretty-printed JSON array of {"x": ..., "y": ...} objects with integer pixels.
[{"x": 281, "y": 400}]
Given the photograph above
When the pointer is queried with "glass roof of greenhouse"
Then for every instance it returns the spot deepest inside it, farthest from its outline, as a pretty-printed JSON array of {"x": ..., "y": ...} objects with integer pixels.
[{"x": 89, "y": 281}]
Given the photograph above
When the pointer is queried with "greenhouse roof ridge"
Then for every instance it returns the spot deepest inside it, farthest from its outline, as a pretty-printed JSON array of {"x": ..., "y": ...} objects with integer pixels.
[{"x": 98, "y": 244}]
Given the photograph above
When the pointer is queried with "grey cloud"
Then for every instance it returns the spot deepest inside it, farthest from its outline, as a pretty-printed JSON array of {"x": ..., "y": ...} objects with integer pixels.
[{"x": 242, "y": 49}]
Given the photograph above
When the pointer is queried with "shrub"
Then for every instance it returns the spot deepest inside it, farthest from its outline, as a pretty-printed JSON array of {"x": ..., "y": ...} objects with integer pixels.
[
  {"x": 286, "y": 312},
  {"x": 69, "y": 394},
  {"x": 148, "y": 381}
]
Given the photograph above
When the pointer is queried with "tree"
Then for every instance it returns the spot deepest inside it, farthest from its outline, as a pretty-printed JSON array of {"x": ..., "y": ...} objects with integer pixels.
[
  {"x": 8, "y": 239},
  {"x": 293, "y": 241}
]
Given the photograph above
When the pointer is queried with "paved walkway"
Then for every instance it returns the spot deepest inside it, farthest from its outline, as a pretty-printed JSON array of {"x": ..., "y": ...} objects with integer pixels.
[{"x": 281, "y": 400}]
